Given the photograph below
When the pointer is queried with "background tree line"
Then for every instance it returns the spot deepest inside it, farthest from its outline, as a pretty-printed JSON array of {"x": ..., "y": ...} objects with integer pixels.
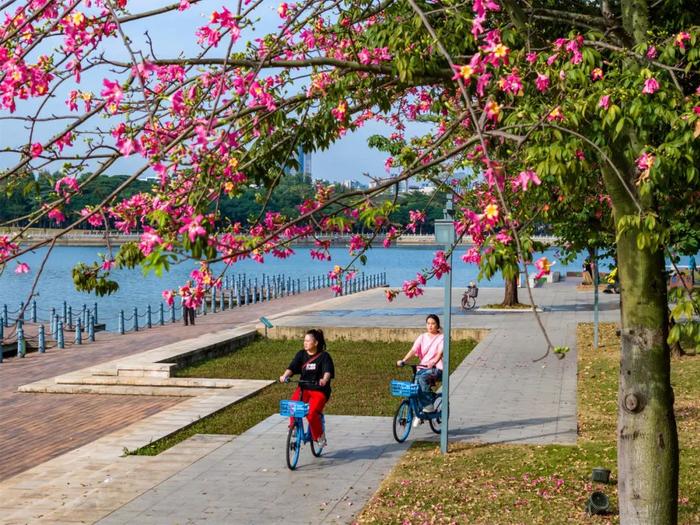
[{"x": 16, "y": 202}]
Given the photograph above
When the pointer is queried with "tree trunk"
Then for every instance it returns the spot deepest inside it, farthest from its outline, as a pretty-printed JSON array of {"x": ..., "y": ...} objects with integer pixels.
[
  {"x": 511, "y": 295},
  {"x": 647, "y": 438}
]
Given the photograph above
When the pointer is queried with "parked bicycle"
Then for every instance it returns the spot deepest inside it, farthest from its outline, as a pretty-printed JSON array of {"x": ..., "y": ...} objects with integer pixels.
[
  {"x": 299, "y": 432},
  {"x": 469, "y": 297},
  {"x": 410, "y": 408}
]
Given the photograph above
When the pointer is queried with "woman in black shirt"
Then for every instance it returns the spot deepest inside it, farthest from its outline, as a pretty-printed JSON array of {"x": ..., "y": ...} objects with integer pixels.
[{"x": 315, "y": 366}]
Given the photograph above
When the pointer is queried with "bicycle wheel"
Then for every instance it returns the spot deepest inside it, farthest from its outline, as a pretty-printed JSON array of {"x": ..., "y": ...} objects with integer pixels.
[
  {"x": 468, "y": 302},
  {"x": 402, "y": 421},
  {"x": 293, "y": 446},
  {"x": 436, "y": 423},
  {"x": 315, "y": 449}
]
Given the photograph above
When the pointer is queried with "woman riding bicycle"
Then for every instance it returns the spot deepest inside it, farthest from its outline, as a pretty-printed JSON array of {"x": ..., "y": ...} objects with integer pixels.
[
  {"x": 428, "y": 348},
  {"x": 315, "y": 366}
]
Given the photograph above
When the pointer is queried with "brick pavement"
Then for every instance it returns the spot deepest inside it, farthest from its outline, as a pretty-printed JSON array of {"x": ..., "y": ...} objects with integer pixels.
[{"x": 38, "y": 427}]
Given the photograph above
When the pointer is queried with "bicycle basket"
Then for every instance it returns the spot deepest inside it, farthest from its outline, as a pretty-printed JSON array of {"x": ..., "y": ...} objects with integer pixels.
[
  {"x": 403, "y": 388},
  {"x": 473, "y": 292},
  {"x": 293, "y": 408}
]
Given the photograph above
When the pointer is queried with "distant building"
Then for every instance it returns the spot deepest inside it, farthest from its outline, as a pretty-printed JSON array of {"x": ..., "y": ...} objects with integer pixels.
[
  {"x": 303, "y": 159},
  {"x": 352, "y": 184}
]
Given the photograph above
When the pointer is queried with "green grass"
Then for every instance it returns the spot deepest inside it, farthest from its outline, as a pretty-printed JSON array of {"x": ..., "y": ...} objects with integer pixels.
[
  {"x": 508, "y": 484},
  {"x": 363, "y": 371}
]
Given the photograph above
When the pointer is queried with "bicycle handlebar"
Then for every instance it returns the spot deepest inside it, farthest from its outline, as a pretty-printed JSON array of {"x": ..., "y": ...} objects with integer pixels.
[{"x": 301, "y": 382}]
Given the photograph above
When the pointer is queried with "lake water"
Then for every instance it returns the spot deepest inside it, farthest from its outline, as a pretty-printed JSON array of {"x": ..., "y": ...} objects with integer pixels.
[{"x": 56, "y": 285}]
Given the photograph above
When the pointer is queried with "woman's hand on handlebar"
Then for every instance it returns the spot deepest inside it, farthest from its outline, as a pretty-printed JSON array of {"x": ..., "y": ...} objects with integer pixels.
[
  {"x": 284, "y": 379},
  {"x": 400, "y": 363}
]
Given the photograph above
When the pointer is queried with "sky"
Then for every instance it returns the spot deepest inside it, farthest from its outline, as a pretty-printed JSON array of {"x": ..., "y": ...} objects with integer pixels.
[{"x": 173, "y": 34}]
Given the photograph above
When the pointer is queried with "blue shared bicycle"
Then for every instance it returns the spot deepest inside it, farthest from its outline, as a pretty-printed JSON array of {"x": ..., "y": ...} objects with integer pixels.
[
  {"x": 410, "y": 408},
  {"x": 299, "y": 432}
]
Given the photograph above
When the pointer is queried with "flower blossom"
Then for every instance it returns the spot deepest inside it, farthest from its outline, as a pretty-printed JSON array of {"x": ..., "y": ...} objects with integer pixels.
[
  {"x": 597, "y": 74},
  {"x": 440, "y": 265},
  {"x": 493, "y": 110},
  {"x": 542, "y": 82},
  {"x": 645, "y": 161},
  {"x": 22, "y": 268},
  {"x": 604, "y": 102},
  {"x": 555, "y": 115},
  {"x": 491, "y": 211},
  {"x": 524, "y": 178},
  {"x": 36, "y": 149},
  {"x": 681, "y": 39},
  {"x": 651, "y": 86}
]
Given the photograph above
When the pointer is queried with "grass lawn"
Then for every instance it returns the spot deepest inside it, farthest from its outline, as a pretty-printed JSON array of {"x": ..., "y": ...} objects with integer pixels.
[
  {"x": 363, "y": 371},
  {"x": 510, "y": 484}
]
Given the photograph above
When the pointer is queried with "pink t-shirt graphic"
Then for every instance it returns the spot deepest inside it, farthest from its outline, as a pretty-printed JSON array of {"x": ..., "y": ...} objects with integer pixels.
[{"x": 427, "y": 347}]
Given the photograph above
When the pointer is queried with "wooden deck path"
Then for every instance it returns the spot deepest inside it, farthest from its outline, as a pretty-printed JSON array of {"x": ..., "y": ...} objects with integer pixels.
[{"x": 37, "y": 427}]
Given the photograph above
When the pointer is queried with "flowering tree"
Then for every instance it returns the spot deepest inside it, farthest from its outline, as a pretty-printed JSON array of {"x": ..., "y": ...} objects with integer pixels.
[{"x": 617, "y": 86}]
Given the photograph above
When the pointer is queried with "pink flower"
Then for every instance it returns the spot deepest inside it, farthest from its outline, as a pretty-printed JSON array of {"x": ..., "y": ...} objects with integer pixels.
[
  {"x": 169, "y": 297},
  {"x": 531, "y": 57},
  {"x": 542, "y": 82},
  {"x": 440, "y": 266},
  {"x": 651, "y": 86},
  {"x": 680, "y": 39},
  {"x": 555, "y": 115},
  {"x": 282, "y": 10},
  {"x": 193, "y": 228},
  {"x": 645, "y": 161},
  {"x": 388, "y": 164},
  {"x": 36, "y": 149},
  {"x": 357, "y": 243},
  {"x": 70, "y": 183},
  {"x": 651, "y": 53},
  {"x": 472, "y": 256},
  {"x": 390, "y": 294},
  {"x": 107, "y": 264},
  {"x": 493, "y": 110},
  {"x": 93, "y": 220},
  {"x": 604, "y": 102},
  {"x": 149, "y": 240},
  {"x": 464, "y": 72},
  {"x": 512, "y": 83},
  {"x": 56, "y": 215},
  {"x": 412, "y": 289},
  {"x": 524, "y": 178},
  {"x": 340, "y": 112},
  {"x": 112, "y": 93},
  {"x": 22, "y": 268},
  {"x": 597, "y": 74}
]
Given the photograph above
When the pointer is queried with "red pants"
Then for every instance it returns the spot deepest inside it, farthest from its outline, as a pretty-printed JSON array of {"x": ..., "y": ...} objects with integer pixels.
[{"x": 316, "y": 400}]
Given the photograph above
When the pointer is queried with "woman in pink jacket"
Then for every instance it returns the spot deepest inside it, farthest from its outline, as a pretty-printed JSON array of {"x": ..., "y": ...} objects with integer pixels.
[{"x": 428, "y": 349}]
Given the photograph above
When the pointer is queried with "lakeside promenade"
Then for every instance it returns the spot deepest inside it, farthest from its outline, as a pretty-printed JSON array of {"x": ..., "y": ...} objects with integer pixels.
[
  {"x": 498, "y": 394},
  {"x": 44, "y": 426}
]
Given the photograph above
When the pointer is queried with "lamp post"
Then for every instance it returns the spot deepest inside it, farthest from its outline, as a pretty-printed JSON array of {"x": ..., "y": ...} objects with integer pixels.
[{"x": 445, "y": 234}]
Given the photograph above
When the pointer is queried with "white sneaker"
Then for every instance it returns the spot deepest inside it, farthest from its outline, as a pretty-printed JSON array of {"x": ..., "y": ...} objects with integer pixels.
[
  {"x": 429, "y": 408},
  {"x": 321, "y": 441},
  {"x": 416, "y": 421}
]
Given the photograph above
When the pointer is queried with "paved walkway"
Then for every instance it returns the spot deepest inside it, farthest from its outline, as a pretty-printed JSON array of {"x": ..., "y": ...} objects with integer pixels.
[
  {"x": 69, "y": 421},
  {"x": 498, "y": 394}
]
